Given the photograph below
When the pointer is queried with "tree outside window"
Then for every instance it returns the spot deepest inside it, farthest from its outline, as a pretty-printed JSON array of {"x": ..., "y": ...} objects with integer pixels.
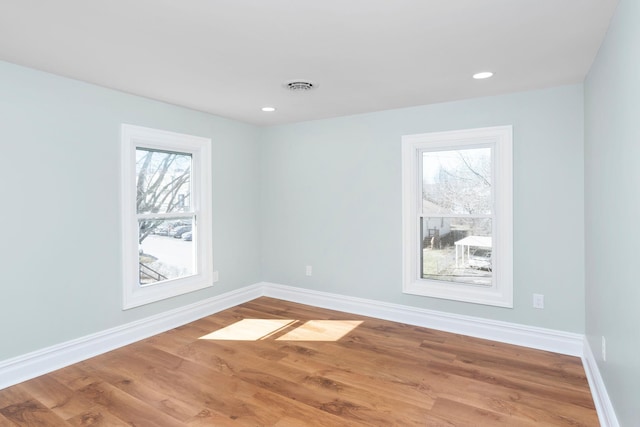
[
  {"x": 163, "y": 185},
  {"x": 456, "y": 215}
]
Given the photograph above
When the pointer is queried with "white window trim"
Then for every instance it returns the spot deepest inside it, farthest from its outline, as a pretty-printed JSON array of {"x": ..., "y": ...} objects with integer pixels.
[
  {"x": 500, "y": 138},
  {"x": 133, "y": 137}
]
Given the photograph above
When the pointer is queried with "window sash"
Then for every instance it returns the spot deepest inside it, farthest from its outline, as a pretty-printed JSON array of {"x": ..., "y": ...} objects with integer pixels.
[
  {"x": 441, "y": 215},
  {"x": 167, "y": 215},
  {"x": 440, "y": 147}
]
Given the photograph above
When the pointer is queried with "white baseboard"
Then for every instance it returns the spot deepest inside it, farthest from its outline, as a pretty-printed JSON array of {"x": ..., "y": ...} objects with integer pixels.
[
  {"x": 31, "y": 365},
  {"x": 606, "y": 413},
  {"x": 511, "y": 333}
]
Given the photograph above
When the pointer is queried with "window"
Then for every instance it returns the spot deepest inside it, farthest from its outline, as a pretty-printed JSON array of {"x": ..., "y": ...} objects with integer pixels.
[
  {"x": 166, "y": 198},
  {"x": 457, "y": 215}
]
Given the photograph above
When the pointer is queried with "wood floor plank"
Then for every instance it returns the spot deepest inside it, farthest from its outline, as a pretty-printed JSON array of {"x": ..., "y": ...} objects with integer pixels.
[
  {"x": 136, "y": 379},
  {"x": 522, "y": 365},
  {"x": 31, "y": 413},
  {"x": 60, "y": 399},
  {"x": 175, "y": 377},
  {"x": 467, "y": 415},
  {"x": 504, "y": 400},
  {"x": 5, "y": 422},
  {"x": 13, "y": 396},
  {"x": 288, "y": 364},
  {"x": 97, "y": 416},
  {"x": 126, "y": 407},
  {"x": 77, "y": 376},
  {"x": 525, "y": 405},
  {"x": 325, "y": 394},
  {"x": 502, "y": 378}
]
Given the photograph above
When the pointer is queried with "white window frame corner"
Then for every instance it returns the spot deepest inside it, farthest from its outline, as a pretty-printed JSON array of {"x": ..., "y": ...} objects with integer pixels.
[
  {"x": 133, "y": 137},
  {"x": 500, "y": 138}
]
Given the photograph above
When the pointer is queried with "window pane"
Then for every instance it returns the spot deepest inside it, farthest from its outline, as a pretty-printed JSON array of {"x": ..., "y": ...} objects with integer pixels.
[
  {"x": 166, "y": 249},
  {"x": 163, "y": 181},
  {"x": 457, "y": 182},
  {"x": 457, "y": 250}
]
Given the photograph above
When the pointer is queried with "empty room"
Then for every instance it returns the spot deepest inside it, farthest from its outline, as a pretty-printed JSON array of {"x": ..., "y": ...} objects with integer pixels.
[{"x": 331, "y": 213}]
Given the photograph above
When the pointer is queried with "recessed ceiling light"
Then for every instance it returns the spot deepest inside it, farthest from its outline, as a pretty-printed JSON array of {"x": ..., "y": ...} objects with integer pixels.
[
  {"x": 268, "y": 109},
  {"x": 482, "y": 75}
]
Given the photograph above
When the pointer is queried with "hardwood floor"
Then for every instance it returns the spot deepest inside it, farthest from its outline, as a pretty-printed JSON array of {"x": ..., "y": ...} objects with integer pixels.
[{"x": 305, "y": 366}]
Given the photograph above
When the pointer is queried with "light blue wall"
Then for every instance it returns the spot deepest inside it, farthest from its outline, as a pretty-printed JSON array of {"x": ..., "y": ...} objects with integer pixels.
[
  {"x": 331, "y": 198},
  {"x": 612, "y": 210},
  {"x": 60, "y": 250}
]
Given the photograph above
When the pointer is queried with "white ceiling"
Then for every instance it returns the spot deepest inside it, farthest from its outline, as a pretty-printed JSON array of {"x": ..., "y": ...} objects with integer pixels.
[{"x": 231, "y": 57}]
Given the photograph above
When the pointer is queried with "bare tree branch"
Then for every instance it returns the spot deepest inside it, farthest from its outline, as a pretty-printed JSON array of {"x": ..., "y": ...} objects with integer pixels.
[{"x": 162, "y": 186}]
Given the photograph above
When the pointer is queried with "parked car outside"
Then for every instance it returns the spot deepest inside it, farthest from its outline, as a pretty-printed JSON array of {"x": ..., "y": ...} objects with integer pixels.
[
  {"x": 188, "y": 236},
  {"x": 179, "y": 231}
]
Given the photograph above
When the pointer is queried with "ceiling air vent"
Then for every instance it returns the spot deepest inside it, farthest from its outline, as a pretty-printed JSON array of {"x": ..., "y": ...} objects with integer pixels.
[{"x": 299, "y": 85}]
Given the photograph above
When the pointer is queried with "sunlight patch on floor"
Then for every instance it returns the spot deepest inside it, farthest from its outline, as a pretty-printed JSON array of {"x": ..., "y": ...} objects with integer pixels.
[
  {"x": 262, "y": 329},
  {"x": 321, "y": 330},
  {"x": 249, "y": 330}
]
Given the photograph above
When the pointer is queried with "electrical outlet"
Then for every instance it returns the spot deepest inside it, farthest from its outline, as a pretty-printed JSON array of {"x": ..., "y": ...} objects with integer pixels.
[
  {"x": 309, "y": 270},
  {"x": 215, "y": 276},
  {"x": 604, "y": 349},
  {"x": 538, "y": 301}
]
